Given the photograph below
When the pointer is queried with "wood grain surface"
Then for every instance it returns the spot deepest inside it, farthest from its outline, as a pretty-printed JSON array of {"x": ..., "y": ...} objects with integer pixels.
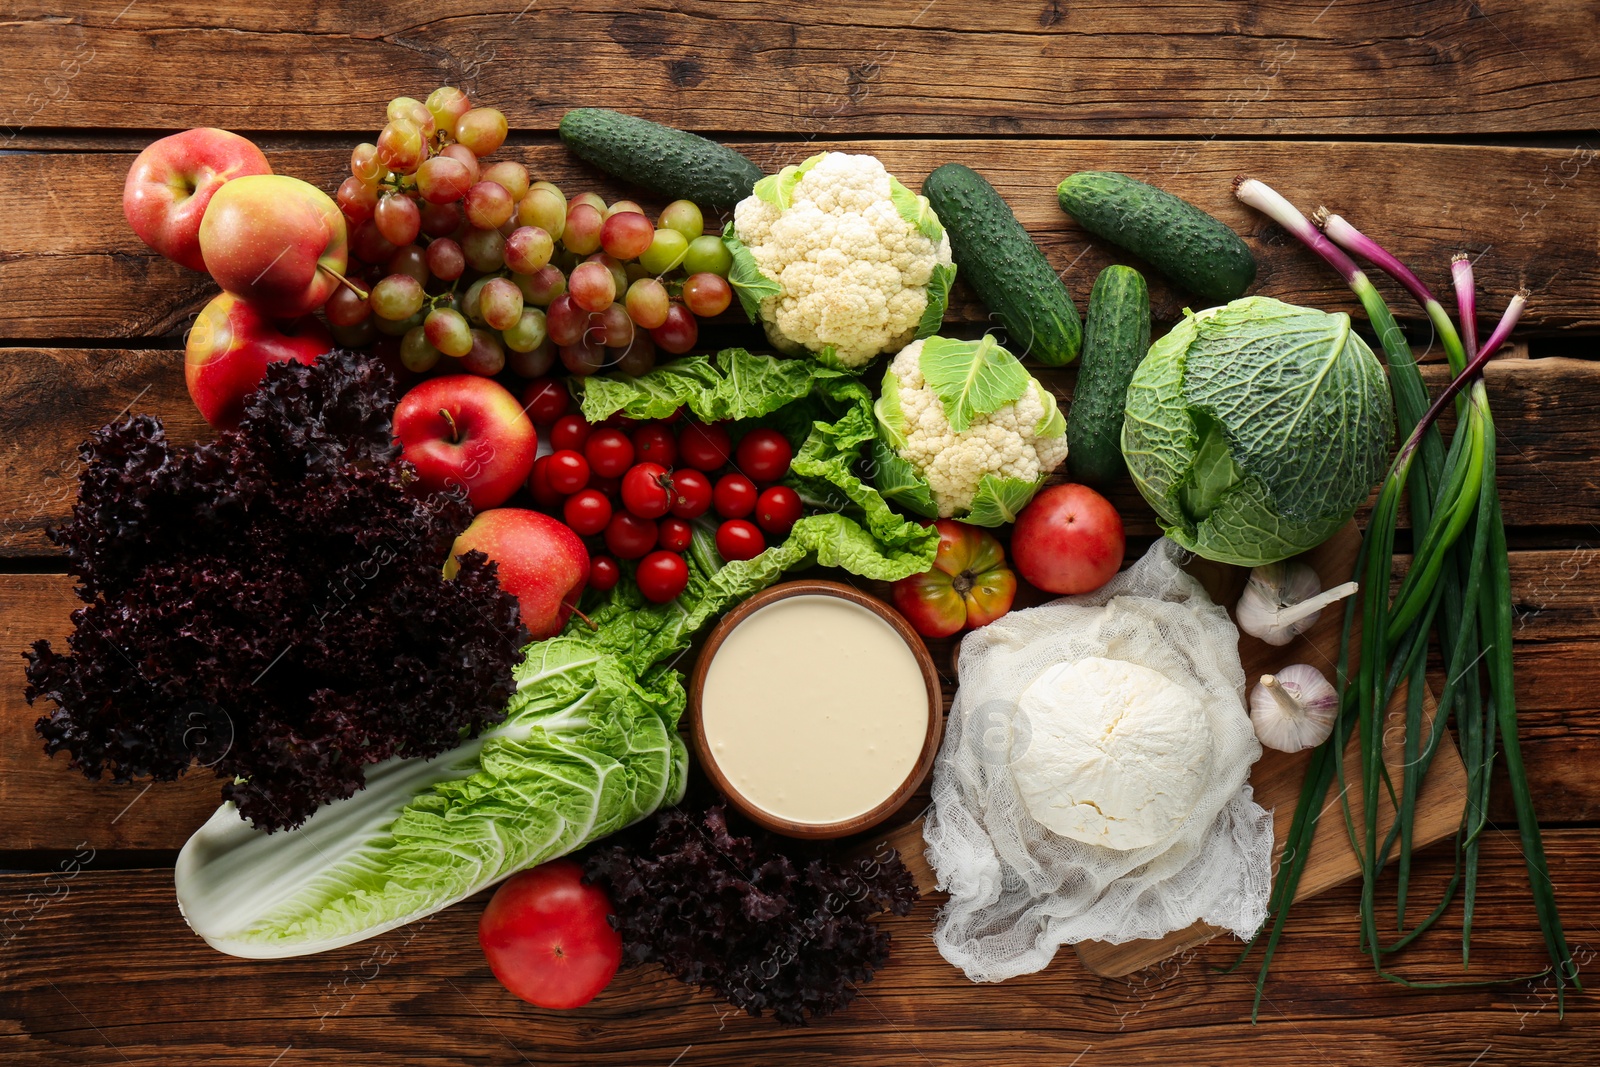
[{"x": 1436, "y": 125}]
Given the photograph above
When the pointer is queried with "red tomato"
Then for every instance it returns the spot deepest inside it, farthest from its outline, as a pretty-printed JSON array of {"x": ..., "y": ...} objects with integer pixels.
[
  {"x": 738, "y": 539},
  {"x": 674, "y": 535},
  {"x": 969, "y": 585},
  {"x": 609, "y": 452},
  {"x": 705, "y": 448},
  {"x": 655, "y": 444},
  {"x": 539, "y": 485},
  {"x": 568, "y": 471},
  {"x": 646, "y": 490},
  {"x": 587, "y": 512},
  {"x": 603, "y": 573},
  {"x": 661, "y": 576},
  {"x": 569, "y": 431},
  {"x": 545, "y": 400},
  {"x": 628, "y": 536},
  {"x": 763, "y": 455},
  {"x": 734, "y": 496},
  {"x": 1068, "y": 539},
  {"x": 777, "y": 510},
  {"x": 691, "y": 493},
  {"x": 546, "y": 937}
]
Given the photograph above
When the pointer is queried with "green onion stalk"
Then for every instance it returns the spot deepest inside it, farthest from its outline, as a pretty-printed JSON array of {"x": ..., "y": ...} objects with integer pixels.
[{"x": 1458, "y": 586}]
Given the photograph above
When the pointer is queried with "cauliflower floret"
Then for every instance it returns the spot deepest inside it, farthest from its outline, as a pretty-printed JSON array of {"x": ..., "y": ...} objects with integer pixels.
[
  {"x": 1006, "y": 442},
  {"x": 856, "y": 275}
]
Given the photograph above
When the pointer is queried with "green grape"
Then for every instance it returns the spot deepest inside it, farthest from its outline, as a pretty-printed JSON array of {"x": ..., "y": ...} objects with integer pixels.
[
  {"x": 364, "y": 163},
  {"x": 485, "y": 249},
  {"x": 401, "y": 146},
  {"x": 416, "y": 353},
  {"x": 396, "y": 297},
  {"x": 512, "y": 177},
  {"x": 500, "y": 303},
  {"x": 412, "y": 110},
  {"x": 683, "y": 216},
  {"x": 447, "y": 104},
  {"x": 471, "y": 302},
  {"x": 666, "y": 251},
  {"x": 543, "y": 209},
  {"x": 481, "y": 130},
  {"x": 708, "y": 255},
  {"x": 396, "y": 327},
  {"x": 527, "y": 333},
  {"x": 447, "y": 330}
]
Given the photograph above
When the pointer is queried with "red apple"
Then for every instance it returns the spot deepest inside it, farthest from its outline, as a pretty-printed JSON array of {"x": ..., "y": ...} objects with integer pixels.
[
  {"x": 1068, "y": 540},
  {"x": 229, "y": 347},
  {"x": 969, "y": 586},
  {"x": 276, "y": 241},
  {"x": 171, "y": 183},
  {"x": 467, "y": 434},
  {"x": 541, "y": 562}
]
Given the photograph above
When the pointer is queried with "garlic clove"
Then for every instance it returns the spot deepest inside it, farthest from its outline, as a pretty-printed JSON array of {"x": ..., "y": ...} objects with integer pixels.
[
  {"x": 1294, "y": 709},
  {"x": 1283, "y": 600}
]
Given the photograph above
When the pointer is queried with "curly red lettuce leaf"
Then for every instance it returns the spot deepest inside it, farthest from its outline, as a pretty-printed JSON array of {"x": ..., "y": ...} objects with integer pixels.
[
  {"x": 270, "y": 605},
  {"x": 761, "y": 925}
]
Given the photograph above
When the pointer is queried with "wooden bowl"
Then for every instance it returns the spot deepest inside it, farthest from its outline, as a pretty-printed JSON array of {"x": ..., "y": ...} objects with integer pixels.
[{"x": 930, "y": 741}]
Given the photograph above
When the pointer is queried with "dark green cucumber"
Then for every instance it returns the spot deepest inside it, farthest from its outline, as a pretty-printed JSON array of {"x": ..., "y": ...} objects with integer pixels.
[
  {"x": 1192, "y": 248},
  {"x": 1115, "y": 338},
  {"x": 1000, "y": 261},
  {"x": 668, "y": 162}
]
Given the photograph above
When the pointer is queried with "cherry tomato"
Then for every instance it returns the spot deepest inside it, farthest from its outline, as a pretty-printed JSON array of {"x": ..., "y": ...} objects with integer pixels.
[
  {"x": 568, "y": 471},
  {"x": 546, "y": 936},
  {"x": 628, "y": 536},
  {"x": 674, "y": 534},
  {"x": 654, "y": 443},
  {"x": 545, "y": 400},
  {"x": 646, "y": 490},
  {"x": 587, "y": 512},
  {"x": 603, "y": 573},
  {"x": 611, "y": 487},
  {"x": 609, "y": 452},
  {"x": 777, "y": 510},
  {"x": 738, "y": 539},
  {"x": 539, "y": 485},
  {"x": 705, "y": 448},
  {"x": 691, "y": 493},
  {"x": 569, "y": 431},
  {"x": 763, "y": 455},
  {"x": 661, "y": 576},
  {"x": 734, "y": 497}
]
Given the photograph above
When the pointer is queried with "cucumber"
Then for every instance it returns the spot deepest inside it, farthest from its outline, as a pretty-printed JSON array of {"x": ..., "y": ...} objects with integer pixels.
[
  {"x": 1172, "y": 235},
  {"x": 1000, "y": 261},
  {"x": 668, "y": 162},
  {"x": 1115, "y": 338}
]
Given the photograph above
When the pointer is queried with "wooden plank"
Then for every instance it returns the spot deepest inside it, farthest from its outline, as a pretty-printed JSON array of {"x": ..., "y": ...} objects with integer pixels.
[
  {"x": 1305, "y": 67},
  {"x": 52, "y": 399},
  {"x": 44, "y": 804},
  {"x": 98, "y": 968},
  {"x": 1516, "y": 208}
]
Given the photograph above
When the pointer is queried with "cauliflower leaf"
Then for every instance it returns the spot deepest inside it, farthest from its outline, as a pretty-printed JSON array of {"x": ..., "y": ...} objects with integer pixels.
[
  {"x": 749, "y": 284},
  {"x": 972, "y": 378},
  {"x": 1000, "y": 500}
]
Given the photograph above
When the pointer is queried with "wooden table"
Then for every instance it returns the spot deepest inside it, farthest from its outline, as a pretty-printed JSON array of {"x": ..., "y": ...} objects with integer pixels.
[{"x": 1435, "y": 125}]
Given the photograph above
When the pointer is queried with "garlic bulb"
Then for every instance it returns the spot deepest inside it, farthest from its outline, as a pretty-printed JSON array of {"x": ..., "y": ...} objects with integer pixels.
[
  {"x": 1293, "y": 709},
  {"x": 1283, "y": 600}
]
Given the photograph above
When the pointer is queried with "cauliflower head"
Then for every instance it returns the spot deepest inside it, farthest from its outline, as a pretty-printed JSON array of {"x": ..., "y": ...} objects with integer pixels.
[
  {"x": 965, "y": 431},
  {"x": 839, "y": 260}
]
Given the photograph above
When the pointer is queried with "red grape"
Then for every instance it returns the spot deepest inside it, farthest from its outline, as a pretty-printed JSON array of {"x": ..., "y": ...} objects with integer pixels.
[
  {"x": 488, "y": 205},
  {"x": 566, "y": 321},
  {"x": 662, "y": 576},
  {"x": 626, "y": 235},
  {"x": 707, "y": 294},
  {"x": 546, "y": 400},
  {"x": 703, "y": 447},
  {"x": 443, "y": 180},
  {"x": 568, "y": 471},
  {"x": 463, "y": 155},
  {"x": 603, "y": 573},
  {"x": 777, "y": 510},
  {"x": 654, "y": 443},
  {"x": 365, "y": 166},
  {"x": 582, "y": 232},
  {"x": 763, "y": 455},
  {"x": 587, "y": 512},
  {"x": 592, "y": 286},
  {"x": 487, "y": 356},
  {"x": 679, "y": 333},
  {"x": 500, "y": 303},
  {"x": 629, "y": 536},
  {"x": 401, "y": 146},
  {"x": 528, "y": 248},
  {"x": 485, "y": 249},
  {"x": 447, "y": 104},
  {"x": 648, "y": 303},
  {"x": 609, "y": 452},
  {"x": 356, "y": 199},
  {"x": 569, "y": 432},
  {"x": 619, "y": 273},
  {"x": 440, "y": 220},
  {"x": 445, "y": 259},
  {"x": 734, "y": 497},
  {"x": 533, "y": 362},
  {"x": 528, "y": 333},
  {"x": 584, "y": 358},
  {"x": 413, "y": 111},
  {"x": 448, "y": 331},
  {"x": 674, "y": 534},
  {"x": 646, "y": 490},
  {"x": 543, "y": 286},
  {"x": 513, "y": 177},
  {"x": 638, "y": 358},
  {"x": 398, "y": 219},
  {"x": 370, "y": 246},
  {"x": 481, "y": 130},
  {"x": 691, "y": 493},
  {"x": 346, "y": 308},
  {"x": 615, "y": 328},
  {"x": 594, "y": 200},
  {"x": 738, "y": 539},
  {"x": 397, "y": 297},
  {"x": 411, "y": 260}
]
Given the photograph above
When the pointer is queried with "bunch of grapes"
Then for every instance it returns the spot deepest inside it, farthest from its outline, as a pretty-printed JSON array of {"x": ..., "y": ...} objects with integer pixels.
[
  {"x": 636, "y": 489},
  {"x": 477, "y": 268}
]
